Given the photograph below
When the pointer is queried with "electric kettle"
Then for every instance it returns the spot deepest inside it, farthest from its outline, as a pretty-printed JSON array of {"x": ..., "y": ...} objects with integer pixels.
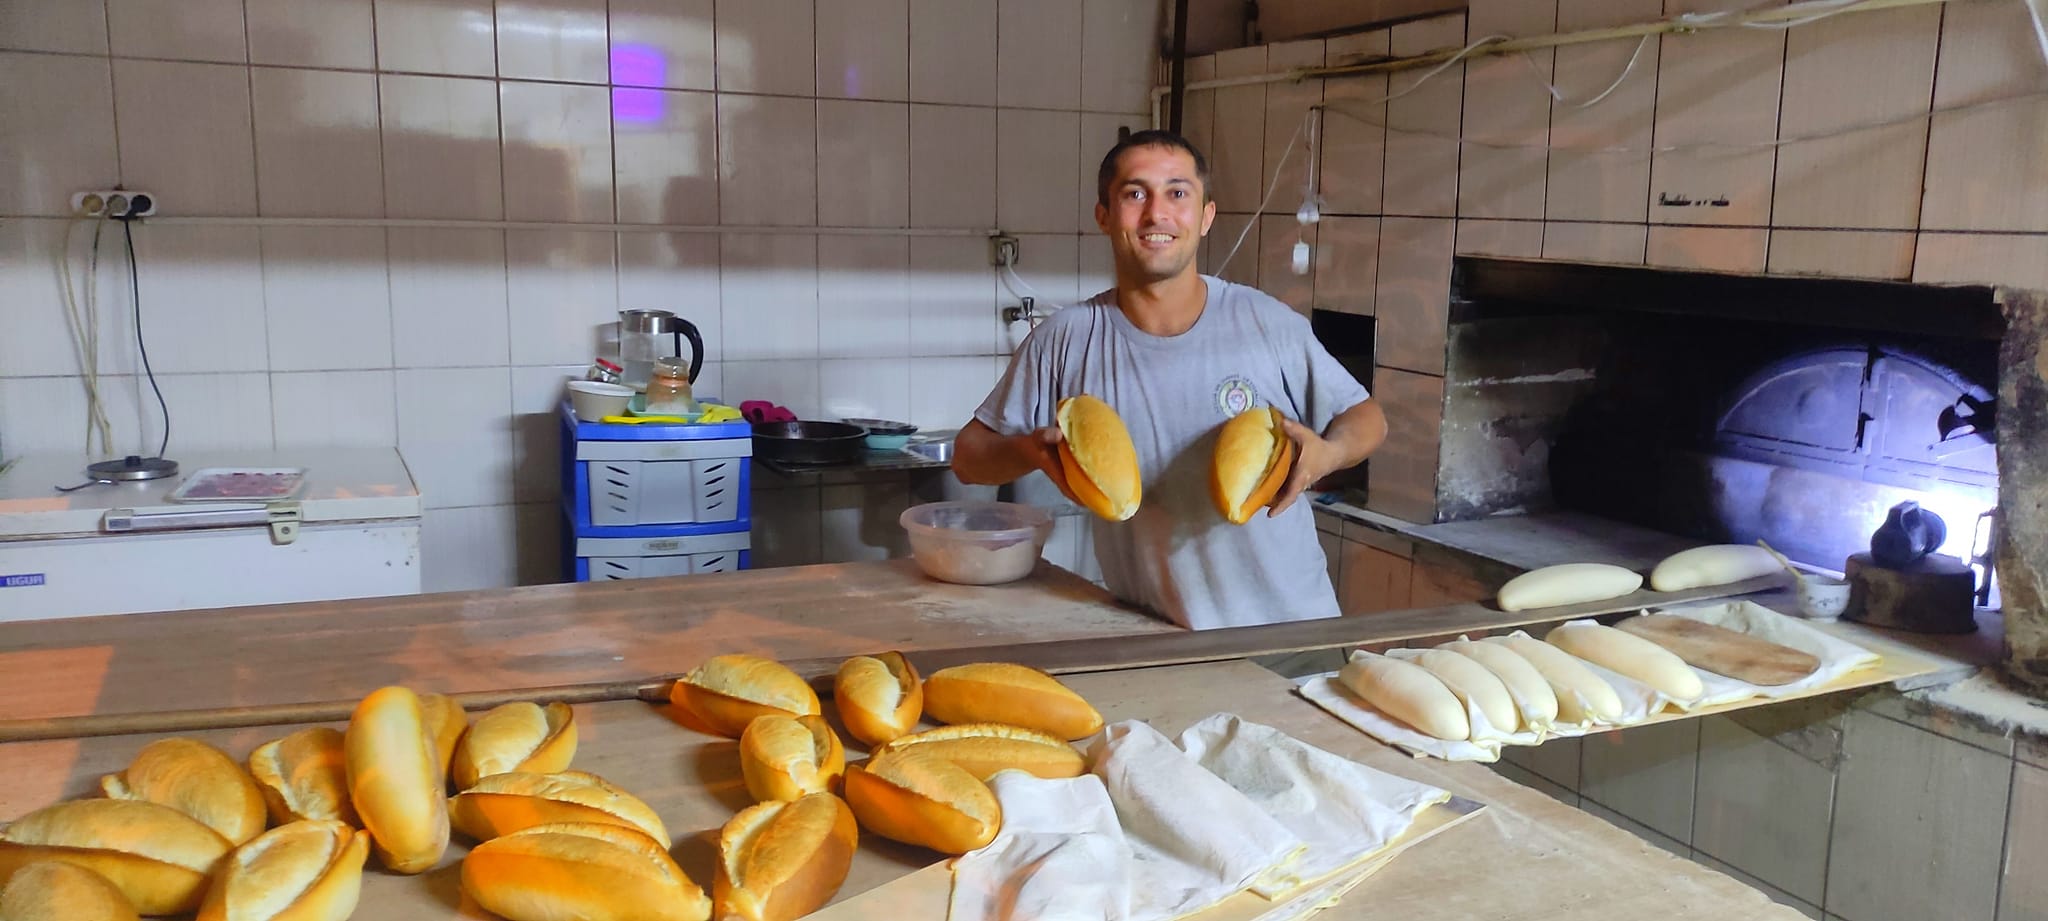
[{"x": 647, "y": 335}]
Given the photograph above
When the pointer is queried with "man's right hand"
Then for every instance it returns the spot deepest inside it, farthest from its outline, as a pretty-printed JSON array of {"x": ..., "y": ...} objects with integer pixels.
[
  {"x": 1043, "y": 448},
  {"x": 983, "y": 457}
]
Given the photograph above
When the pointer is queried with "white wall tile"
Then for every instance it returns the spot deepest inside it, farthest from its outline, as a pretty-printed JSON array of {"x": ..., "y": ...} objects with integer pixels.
[
  {"x": 39, "y": 339},
  {"x": 441, "y": 148},
  {"x": 1034, "y": 156},
  {"x": 448, "y": 297},
  {"x": 1413, "y": 297},
  {"x": 863, "y": 522},
  {"x": 437, "y": 36},
  {"x": 1588, "y": 181},
  {"x": 1645, "y": 774},
  {"x": 1558, "y": 761},
  {"x": 311, "y": 408},
  {"x": 453, "y": 430},
  {"x": 1916, "y": 831},
  {"x": 792, "y": 383},
  {"x": 1508, "y": 113},
  {"x": 945, "y": 391},
  {"x": 1232, "y": 250},
  {"x": 858, "y": 388},
  {"x": 1099, "y": 134},
  {"x": 318, "y": 150},
  {"x": 2024, "y": 894},
  {"x": 787, "y": 528},
  {"x": 1720, "y": 86},
  {"x": 313, "y": 33},
  {"x": 181, "y": 30},
  {"x": 1097, "y": 270},
  {"x": 767, "y": 160},
  {"x": 1038, "y": 62},
  {"x": 1286, "y": 139},
  {"x": 537, "y": 395},
  {"x": 553, "y": 40},
  {"x": 1118, "y": 38},
  {"x": 1763, "y": 807},
  {"x": 53, "y": 124},
  {"x": 1853, "y": 253},
  {"x": 953, "y": 155},
  {"x": 210, "y": 412},
  {"x": 1587, "y": 242},
  {"x": 1051, "y": 265},
  {"x": 462, "y": 549},
  {"x": 1354, "y": 136},
  {"x": 327, "y": 298},
  {"x": 953, "y": 52},
  {"x": 864, "y": 152},
  {"x": 1724, "y": 249},
  {"x": 1198, "y": 110},
  {"x": 665, "y": 166},
  {"x": 952, "y": 297},
  {"x": 1850, "y": 70},
  {"x": 863, "y": 298},
  {"x": 540, "y": 560},
  {"x": 1518, "y": 239},
  {"x": 1983, "y": 162},
  {"x": 864, "y": 49},
  {"x": 1238, "y": 153},
  {"x": 663, "y": 43},
  {"x": 1417, "y": 181},
  {"x": 201, "y": 150},
  {"x": 202, "y": 301},
  {"x": 558, "y": 152},
  {"x": 54, "y": 25},
  {"x": 1347, "y": 261},
  {"x": 768, "y": 291},
  {"x": 46, "y": 415},
  {"x": 767, "y": 46},
  {"x": 562, "y": 290},
  {"x": 1987, "y": 258},
  {"x": 1277, "y": 236},
  {"x": 678, "y": 273}
]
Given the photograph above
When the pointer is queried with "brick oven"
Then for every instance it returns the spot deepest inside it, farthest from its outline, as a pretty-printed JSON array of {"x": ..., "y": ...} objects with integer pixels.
[{"x": 1734, "y": 407}]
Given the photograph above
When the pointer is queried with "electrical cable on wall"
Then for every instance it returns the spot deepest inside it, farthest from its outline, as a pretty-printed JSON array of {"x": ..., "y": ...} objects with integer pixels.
[
  {"x": 84, "y": 322},
  {"x": 135, "y": 287}
]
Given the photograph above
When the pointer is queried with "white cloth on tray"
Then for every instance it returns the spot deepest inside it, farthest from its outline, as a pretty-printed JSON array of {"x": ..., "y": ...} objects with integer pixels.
[{"x": 1060, "y": 856}]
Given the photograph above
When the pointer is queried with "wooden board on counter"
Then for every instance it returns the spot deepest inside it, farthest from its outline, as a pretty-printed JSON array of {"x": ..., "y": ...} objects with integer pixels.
[
  {"x": 536, "y": 636},
  {"x": 1524, "y": 856}
]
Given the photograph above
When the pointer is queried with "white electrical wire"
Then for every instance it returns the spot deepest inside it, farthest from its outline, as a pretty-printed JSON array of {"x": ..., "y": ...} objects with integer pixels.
[
  {"x": 85, "y": 334},
  {"x": 1271, "y": 187},
  {"x": 1014, "y": 281},
  {"x": 1557, "y": 95}
]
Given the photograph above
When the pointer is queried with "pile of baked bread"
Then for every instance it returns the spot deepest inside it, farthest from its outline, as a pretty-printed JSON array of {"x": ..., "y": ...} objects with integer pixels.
[{"x": 287, "y": 835}]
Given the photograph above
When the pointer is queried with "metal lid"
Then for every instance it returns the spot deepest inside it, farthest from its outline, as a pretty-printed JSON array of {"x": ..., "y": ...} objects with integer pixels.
[
  {"x": 646, "y": 321},
  {"x": 133, "y": 468}
]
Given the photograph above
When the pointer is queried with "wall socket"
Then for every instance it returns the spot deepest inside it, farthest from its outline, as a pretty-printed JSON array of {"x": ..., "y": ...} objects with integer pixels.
[
  {"x": 1002, "y": 250},
  {"x": 114, "y": 203}
]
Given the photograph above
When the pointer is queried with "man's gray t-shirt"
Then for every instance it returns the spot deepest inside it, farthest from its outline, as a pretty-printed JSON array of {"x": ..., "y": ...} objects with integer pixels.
[{"x": 1178, "y": 556}]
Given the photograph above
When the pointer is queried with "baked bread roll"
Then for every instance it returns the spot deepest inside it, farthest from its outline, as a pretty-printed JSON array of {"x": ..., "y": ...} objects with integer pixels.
[
  {"x": 1582, "y": 696},
  {"x": 52, "y": 890},
  {"x": 1253, "y": 458},
  {"x": 1716, "y": 564},
  {"x": 1017, "y": 695},
  {"x": 1630, "y": 655},
  {"x": 304, "y": 871},
  {"x": 879, "y": 697},
  {"x": 1473, "y": 685},
  {"x": 304, "y": 776},
  {"x": 520, "y": 736},
  {"x": 780, "y": 861},
  {"x": 1567, "y": 583},
  {"x": 158, "y": 857},
  {"x": 787, "y": 757},
  {"x": 394, "y": 782},
  {"x": 574, "y": 871},
  {"x": 1407, "y": 692},
  {"x": 446, "y": 722},
  {"x": 504, "y": 803},
  {"x": 985, "y": 748},
  {"x": 920, "y": 799},
  {"x": 196, "y": 779},
  {"x": 1533, "y": 696},
  {"x": 1098, "y": 458},
  {"x": 727, "y": 692}
]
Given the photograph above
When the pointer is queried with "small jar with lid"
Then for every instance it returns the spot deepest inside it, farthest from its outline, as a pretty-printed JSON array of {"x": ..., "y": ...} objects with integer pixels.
[{"x": 668, "y": 390}]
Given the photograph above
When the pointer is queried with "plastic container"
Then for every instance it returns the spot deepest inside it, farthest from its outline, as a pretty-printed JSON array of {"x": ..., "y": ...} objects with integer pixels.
[
  {"x": 884, "y": 435},
  {"x": 977, "y": 543},
  {"x": 594, "y": 400}
]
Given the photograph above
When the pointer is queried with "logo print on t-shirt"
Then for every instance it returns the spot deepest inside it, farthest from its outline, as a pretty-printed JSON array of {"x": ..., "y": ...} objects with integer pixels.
[{"x": 1235, "y": 395}]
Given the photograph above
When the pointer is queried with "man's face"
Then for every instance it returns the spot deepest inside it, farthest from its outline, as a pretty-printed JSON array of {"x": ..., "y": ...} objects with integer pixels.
[{"x": 1157, "y": 214}]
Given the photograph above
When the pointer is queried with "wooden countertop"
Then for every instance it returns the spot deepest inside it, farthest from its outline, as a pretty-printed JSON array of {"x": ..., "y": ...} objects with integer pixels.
[
  {"x": 528, "y": 637},
  {"x": 1524, "y": 856}
]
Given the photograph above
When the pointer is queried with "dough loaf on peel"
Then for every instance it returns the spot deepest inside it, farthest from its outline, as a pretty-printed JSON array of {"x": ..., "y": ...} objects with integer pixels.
[
  {"x": 1718, "y": 564},
  {"x": 1582, "y": 696},
  {"x": 1533, "y": 696},
  {"x": 1630, "y": 655},
  {"x": 1407, "y": 692},
  {"x": 1567, "y": 583},
  {"x": 1473, "y": 684}
]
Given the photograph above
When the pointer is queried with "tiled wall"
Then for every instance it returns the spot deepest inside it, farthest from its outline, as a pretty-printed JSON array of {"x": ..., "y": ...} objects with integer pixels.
[
  {"x": 1954, "y": 197},
  {"x": 1871, "y": 809},
  {"x": 498, "y": 166}
]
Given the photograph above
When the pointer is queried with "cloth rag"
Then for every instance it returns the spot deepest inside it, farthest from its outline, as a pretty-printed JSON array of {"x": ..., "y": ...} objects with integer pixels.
[{"x": 1060, "y": 856}]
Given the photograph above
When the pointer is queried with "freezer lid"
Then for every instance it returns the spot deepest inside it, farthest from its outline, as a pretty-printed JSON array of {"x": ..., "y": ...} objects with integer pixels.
[{"x": 341, "y": 484}]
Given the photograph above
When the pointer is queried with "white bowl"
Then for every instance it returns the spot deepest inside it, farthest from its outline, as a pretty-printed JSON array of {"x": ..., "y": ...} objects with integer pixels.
[
  {"x": 977, "y": 543},
  {"x": 594, "y": 400},
  {"x": 1821, "y": 597}
]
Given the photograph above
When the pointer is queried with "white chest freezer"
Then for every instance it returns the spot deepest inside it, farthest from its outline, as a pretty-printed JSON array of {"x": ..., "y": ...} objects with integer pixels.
[{"x": 350, "y": 528}]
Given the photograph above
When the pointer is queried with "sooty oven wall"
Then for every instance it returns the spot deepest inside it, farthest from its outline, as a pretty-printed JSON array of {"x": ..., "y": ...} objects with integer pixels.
[
  {"x": 1349, "y": 338},
  {"x": 1724, "y": 408}
]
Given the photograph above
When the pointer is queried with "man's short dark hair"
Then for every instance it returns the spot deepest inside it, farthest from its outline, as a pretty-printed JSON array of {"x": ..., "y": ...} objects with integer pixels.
[{"x": 1151, "y": 137}]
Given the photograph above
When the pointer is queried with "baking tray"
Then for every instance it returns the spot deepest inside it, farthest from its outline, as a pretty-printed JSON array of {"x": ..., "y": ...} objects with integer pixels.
[{"x": 241, "y": 484}]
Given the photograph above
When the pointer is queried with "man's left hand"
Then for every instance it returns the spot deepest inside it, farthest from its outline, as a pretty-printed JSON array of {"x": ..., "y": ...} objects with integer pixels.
[{"x": 1317, "y": 458}]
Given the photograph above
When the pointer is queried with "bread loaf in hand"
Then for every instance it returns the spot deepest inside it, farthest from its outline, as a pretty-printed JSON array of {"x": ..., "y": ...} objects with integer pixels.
[
  {"x": 1016, "y": 695},
  {"x": 780, "y": 861},
  {"x": 1253, "y": 458},
  {"x": 160, "y": 858},
  {"x": 1098, "y": 459},
  {"x": 726, "y": 692}
]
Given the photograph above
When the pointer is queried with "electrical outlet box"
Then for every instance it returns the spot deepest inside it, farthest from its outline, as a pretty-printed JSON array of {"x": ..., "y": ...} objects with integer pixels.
[
  {"x": 1002, "y": 250},
  {"x": 114, "y": 203}
]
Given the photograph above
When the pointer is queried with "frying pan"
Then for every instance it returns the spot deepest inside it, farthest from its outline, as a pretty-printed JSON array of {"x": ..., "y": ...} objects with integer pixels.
[{"x": 809, "y": 442}]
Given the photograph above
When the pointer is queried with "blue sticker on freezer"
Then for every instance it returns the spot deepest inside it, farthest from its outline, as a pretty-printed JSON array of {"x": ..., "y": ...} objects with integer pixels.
[{"x": 24, "y": 580}]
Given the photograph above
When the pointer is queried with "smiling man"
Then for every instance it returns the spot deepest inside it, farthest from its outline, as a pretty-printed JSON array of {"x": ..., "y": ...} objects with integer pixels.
[{"x": 1178, "y": 353}]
